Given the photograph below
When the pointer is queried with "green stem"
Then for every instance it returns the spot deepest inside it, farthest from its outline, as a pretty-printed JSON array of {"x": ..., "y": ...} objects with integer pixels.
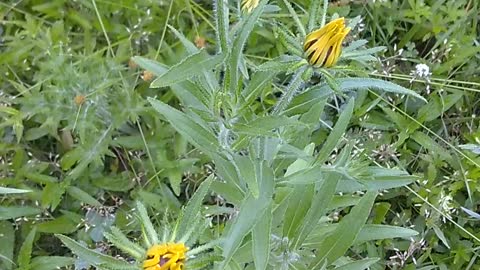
[
  {"x": 324, "y": 15},
  {"x": 287, "y": 97}
]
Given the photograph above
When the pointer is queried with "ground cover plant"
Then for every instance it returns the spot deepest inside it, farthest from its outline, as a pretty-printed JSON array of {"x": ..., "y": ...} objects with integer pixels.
[{"x": 239, "y": 135}]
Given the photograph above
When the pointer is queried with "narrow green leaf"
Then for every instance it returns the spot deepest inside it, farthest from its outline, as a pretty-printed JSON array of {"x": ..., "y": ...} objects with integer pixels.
[
  {"x": 95, "y": 258},
  {"x": 337, "y": 243},
  {"x": 323, "y": 195},
  {"x": 150, "y": 65},
  {"x": 264, "y": 125},
  {"x": 82, "y": 196},
  {"x": 7, "y": 238},
  {"x": 193, "y": 207},
  {"x": 193, "y": 65},
  {"x": 8, "y": 212},
  {"x": 306, "y": 176},
  {"x": 369, "y": 232},
  {"x": 261, "y": 240},
  {"x": 51, "y": 262},
  {"x": 62, "y": 224},
  {"x": 295, "y": 17},
  {"x": 191, "y": 130},
  {"x": 336, "y": 134},
  {"x": 302, "y": 102},
  {"x": 189, "y": 46},
  {"x": 283, "y": 63},
  {"x": 260, "y": 81},
  {"x": 120, "y": 240},
  {"x": 5, "y": 190},
  {"x": 246, "y": 170},
  {"x": 149, "y": 233},
  {"x": 249, "y": 212},
  {"x": 358, "y": 265},
  {"x": 299, "y": 203},
  {"x": 241, "y": 37},
  {"x": 431, "y": 145},
  {"x": 25, "y": 253},
  {"x": 221, "y": 21},
  {"x": 313, "y": 15}
]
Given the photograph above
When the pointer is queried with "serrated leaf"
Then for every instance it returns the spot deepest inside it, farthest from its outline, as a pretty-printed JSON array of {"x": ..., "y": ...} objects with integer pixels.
[
  {"x": 193, "y": 65},
  {"x": 95, "y": 258},
  {"x": 338, "y": 242}
]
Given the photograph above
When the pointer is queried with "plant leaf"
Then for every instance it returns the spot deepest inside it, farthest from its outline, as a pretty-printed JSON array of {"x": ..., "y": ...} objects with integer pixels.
[
  {"x": 334, "y": 245},
  {"x": 94, "y": 257},
  {"x": 193, "y": 65},
  {"x": 25, "y": 253},
  {"x": 191, "y": 130},
  {"x": 261, "y": 240},
  {"x": 193, "y": 207},
  {"x": 7, "y": 238}
]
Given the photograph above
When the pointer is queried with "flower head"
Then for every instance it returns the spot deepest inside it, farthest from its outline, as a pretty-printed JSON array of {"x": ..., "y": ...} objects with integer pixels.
[
  {"x": 169, "y": 256},
  {"x": 323, "y": 46},
  {"x": 249, "y": 5}
]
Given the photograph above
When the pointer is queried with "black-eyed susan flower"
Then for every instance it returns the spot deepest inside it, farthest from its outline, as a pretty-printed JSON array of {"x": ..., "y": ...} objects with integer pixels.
[
  {"x": 323, "y": 46},
  {"x": 249, "y": 5},
  {"x": 169, "y": 250},
  {"x": 169, "y": 256}
]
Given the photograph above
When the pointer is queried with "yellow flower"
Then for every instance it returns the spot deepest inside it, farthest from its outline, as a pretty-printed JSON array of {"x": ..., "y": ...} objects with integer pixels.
[
  {"x": 169, "y": 256},
  {"x": 323, "y": 46},
  {"x": 249, "y": 5}
]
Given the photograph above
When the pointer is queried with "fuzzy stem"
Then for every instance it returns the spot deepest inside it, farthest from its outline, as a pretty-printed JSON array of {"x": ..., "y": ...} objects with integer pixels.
[
  {"x": 287, "y": 97},
  {"x": 324, "y": 15}
]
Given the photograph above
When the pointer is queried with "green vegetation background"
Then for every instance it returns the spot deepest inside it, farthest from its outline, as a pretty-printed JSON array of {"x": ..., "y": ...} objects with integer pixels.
[{"x": 76, "y": 127}]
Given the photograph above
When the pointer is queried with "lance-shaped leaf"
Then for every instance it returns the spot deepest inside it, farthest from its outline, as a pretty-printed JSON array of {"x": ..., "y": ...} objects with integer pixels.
[
  {"x": 339, "y": 241},
  {"x": 193, "y": 65}
]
